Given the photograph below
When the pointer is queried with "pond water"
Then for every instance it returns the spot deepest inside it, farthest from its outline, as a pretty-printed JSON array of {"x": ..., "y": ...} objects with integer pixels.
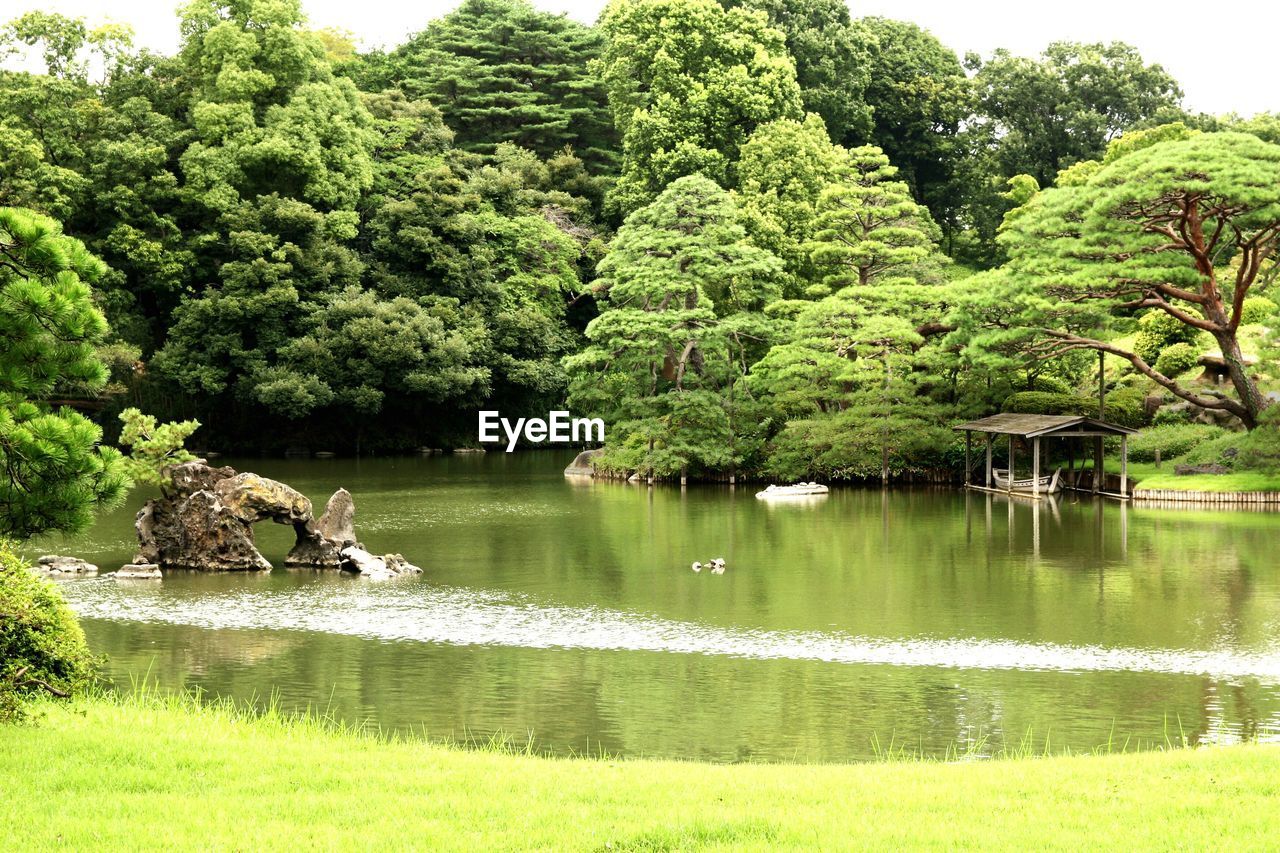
[{"x": 566, "y": 613}]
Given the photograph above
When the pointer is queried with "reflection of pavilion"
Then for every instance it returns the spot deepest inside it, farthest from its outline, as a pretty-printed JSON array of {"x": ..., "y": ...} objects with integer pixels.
[
  {"x": 1029, "y": 503},
  {"x": 1030, "y": 429}
]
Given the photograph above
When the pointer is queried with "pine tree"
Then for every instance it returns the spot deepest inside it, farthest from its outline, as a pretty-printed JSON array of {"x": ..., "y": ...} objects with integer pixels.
[
  {"x": 682, "y": 289},
  {"x": 55, "y": 471}
]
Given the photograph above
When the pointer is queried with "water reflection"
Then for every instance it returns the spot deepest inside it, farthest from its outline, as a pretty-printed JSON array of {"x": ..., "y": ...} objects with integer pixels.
[{"x": 567, "y": 609}]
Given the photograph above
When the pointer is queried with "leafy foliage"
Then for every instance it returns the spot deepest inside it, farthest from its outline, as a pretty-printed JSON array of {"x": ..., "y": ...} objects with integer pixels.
[
  {"x": 42, "y": 649},
  {"x": 153, "y": 445}
]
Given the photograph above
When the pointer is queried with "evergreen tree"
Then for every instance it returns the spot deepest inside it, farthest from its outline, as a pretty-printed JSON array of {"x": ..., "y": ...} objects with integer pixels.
[
  {"x": 55, "y": 471},
  {"x": 682, "y": 289},
  {"x": 502, "y": 71},
  {"x": 1184, "y": 226}
]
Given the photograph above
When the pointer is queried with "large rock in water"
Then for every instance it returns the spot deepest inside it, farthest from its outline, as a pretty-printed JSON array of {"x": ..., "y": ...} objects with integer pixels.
[
  {"x": 582, "y": 466},
  {"x": 252, "y": 498},
  {"x": 204, "y": 518},
  {"x": 58, "y": 565},
  {"x": 320, "y": 543}
]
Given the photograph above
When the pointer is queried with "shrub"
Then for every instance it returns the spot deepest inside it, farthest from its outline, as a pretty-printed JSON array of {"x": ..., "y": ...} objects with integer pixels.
[
  {"x": 1177, "y": 359},
  {"x": 1221, "y": 450},
  {"x": 1260, "y": 448},
  {"x": 1257, "y": 309},
  {"x": 42, "y": 648},
  {"x": 1048, "y": 403},
  {"x": 1126, "y": 407},
  {"x": 1172, "y": 440},
  {"x": 1157, "y": 330},
  {"x": 1050, "y": 384}
]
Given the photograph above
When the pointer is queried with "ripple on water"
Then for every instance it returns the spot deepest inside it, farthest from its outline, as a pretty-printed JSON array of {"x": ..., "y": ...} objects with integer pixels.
[{"x": 465, "y": 616}]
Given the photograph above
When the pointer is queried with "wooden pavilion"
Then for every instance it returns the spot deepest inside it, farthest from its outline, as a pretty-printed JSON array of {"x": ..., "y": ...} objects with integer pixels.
[{"x": 1033, "y": 428}]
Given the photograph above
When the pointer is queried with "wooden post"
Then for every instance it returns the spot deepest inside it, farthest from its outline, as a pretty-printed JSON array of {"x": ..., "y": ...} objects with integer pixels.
[
  {"x": 1035, "y": 466},
  {"x": 968, "y": 446},
  {"x": 988, "y": 474},
  {"x": 1124, "y": 465},
  {"x": 1157, "y": 457},
  {"x": 1012, "y": 455},
  {"x": 1102, "y": 385},
  {"x": 1098, "y": 474}
]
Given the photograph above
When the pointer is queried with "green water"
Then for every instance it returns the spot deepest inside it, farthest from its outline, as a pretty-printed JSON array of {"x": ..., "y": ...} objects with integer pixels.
[{"x": 567, "y": 613}]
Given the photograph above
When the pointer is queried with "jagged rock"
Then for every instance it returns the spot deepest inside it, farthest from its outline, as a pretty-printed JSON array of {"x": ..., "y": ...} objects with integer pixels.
[
  {"x": 252, "y": 498},
  {"x": 581, "y": 466},
  {"x": 400, "y": 565},
  {"x": 194, "y": 476},
  {"x": 213, "y": 538},
  {"x": 138, "y": 571},
  {"x": 361, "y": 562},
  {"x": 338, "y": 522},
  {"x": 57, "y": 565}
]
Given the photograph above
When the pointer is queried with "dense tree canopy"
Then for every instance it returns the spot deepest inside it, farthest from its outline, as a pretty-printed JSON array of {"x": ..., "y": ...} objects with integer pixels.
[
  {"x": 688, "y": 82},
  {"x": 502, "y": 71},
  {"x": 721, "y": 226}
]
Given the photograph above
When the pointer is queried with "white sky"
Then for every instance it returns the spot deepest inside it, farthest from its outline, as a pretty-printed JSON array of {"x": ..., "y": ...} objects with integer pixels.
[{"x": 1222, "y": 53}]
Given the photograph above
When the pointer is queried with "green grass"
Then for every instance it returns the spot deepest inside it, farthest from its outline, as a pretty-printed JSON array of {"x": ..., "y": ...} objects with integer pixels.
[
  {"x": 151, "y": 772},
  {"x": 1237, "y": 481}
]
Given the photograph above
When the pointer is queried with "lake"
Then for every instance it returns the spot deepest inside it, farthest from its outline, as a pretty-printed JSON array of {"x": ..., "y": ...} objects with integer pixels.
[{"x": 566, "y": 614}]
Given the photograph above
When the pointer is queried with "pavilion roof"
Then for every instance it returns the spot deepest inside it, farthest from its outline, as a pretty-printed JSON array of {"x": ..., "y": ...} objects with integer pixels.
[{"x": 1034, "y": 426}]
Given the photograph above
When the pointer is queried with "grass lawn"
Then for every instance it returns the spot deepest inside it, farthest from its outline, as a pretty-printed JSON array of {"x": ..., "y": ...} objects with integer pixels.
[
  {"x": 1148, "y": 476},
  {"x": 123, "y": 774}
]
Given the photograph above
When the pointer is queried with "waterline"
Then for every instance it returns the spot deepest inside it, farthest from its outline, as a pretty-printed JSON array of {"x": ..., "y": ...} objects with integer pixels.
[{"x": 467, "y": 617}]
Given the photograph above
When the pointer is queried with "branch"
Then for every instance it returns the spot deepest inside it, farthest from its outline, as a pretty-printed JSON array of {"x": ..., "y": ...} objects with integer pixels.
[{"x": 1071, "y": 342}]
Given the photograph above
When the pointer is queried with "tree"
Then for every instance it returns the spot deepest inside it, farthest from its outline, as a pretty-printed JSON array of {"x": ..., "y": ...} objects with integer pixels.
[
  {"x": 55, "y": 470},
  {"x": 1185, "y": 227},
  {"x": 153, "y": 446},
  {"x": 501, "y": 71},
  {"x": 682, "y": 288},
  {"x": 688, "y": 82},
  {"x": 847, "y": 371},
  {"x": 833, "y": 61},
  {"x": 920, "y": 98},
  {"x": 783, "y": 170},
  {"x": 1047, "y": 114}
]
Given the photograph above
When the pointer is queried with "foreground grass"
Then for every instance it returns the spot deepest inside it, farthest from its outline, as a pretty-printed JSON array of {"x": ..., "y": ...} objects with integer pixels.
[
  {"x": 130, "y": 773},
  {"x": 1147, "y": 476}
]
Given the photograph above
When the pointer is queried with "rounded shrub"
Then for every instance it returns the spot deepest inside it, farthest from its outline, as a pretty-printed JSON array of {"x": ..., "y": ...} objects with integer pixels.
[
  {"x": 1125, "y": 406},
  {"x": 42, "y": 649},
  {"x": 1177, "y": 359},
  {"x": 1260, "y": 448},
  {"x": 1157, "y": 330},
  {"x": 1257, "y": 309},
  {"x": 1051, "y": 384},
  {"x": 1172, "y": 440},
  {"x": 1048, "y": 403}
]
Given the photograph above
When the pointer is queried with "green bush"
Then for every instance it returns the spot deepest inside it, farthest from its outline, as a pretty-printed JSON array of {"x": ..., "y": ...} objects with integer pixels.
[
  {"x": 1220, "y": 450},
  {"x": 40, "y": 640},
  {"x": 1260, "y": 448},
  {"x": 1257, "y": 309},
  {"x": 1157, "y": 330},
  {"x": 1125, "y": 406},
  {"x": 1048, "y": 403},
  {"x": 1050, "y": 384},
  {"x": 1172, "y": 440},
  {"x": 1177, "y": 359}
]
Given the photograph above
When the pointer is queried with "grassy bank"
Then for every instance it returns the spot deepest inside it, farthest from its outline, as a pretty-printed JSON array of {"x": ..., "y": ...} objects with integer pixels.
[{"x": 144, "y": 772}]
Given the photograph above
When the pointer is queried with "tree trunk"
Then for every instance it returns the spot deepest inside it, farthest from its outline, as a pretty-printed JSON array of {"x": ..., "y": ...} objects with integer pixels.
[{"x": 1246, "y": 388}]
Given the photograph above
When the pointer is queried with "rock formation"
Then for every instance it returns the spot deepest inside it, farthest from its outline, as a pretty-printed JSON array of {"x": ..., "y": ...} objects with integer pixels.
[
  {"x": 582, "y": 464},
  {"x": 361, "y": 562},
  {"x": 203, "y": 521},
  {"x": 56, "y": 565}
]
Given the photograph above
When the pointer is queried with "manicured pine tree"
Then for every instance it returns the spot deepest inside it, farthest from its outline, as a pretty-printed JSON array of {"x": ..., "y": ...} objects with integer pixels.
[{"x": 681, "y": 289}]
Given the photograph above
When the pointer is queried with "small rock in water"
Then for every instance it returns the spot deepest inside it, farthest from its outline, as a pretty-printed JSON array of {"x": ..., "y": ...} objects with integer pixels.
[
  {"x": 58, "y": 565},
  {"x": 361, "y": 562},
  {"x": 138, "y": 571}
]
